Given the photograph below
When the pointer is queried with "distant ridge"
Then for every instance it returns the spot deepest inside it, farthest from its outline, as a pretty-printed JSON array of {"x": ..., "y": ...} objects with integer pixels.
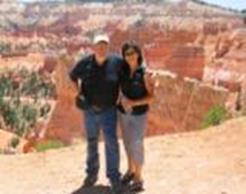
[{"x": 201, "y": 2}]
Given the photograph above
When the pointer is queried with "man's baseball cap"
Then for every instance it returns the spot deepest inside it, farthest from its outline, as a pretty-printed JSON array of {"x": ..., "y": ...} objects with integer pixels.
[{"x": 101, "y": 38}]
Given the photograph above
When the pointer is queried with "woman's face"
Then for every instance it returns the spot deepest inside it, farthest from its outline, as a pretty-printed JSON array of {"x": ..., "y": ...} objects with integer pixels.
[{"x": 131, "y": 57}]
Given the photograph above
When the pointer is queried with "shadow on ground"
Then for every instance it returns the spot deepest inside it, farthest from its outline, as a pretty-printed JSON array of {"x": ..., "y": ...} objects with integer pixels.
[{"x": 99, "y": 189}]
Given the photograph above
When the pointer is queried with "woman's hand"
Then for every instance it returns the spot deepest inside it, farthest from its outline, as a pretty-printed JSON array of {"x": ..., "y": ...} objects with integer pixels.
[{"x": 127, "y": 104}]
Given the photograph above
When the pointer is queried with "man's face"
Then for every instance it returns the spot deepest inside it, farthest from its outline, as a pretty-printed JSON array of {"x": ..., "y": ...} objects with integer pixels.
[{"x": 101, "y": 49}]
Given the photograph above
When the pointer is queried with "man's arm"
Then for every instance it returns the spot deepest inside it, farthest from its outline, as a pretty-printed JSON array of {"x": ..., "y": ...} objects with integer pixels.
[
  {"x": 74, "y": 76},
  {"x": 77, "y": 72}
]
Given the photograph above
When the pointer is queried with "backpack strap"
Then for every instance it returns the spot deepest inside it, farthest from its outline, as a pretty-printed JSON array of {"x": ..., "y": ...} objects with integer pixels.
[{"x": 113, "y": 68}]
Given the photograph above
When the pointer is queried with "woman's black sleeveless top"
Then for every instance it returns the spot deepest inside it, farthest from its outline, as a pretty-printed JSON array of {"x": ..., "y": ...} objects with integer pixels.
[{"x": 134, "y": 88}]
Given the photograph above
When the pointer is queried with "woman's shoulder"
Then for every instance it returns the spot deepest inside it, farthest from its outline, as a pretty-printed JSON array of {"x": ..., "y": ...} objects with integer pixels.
[{"x": 149, "y": 76}]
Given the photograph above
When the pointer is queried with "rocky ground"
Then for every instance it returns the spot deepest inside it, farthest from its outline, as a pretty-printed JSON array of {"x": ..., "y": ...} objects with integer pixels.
[{"x": 211, "y": 161}]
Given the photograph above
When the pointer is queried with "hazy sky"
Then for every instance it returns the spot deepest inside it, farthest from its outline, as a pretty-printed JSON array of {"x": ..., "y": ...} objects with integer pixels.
[{"x": 236, "y": 4}]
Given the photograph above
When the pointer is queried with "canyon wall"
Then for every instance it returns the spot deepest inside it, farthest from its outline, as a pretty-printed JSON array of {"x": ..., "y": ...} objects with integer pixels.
[
  {"x": 202, "y": 46},
  {"x": 178, "y": 106}
]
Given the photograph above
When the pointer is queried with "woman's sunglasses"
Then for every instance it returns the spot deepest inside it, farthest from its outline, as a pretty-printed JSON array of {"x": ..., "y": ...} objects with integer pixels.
[{"x": 130, "y": 53}]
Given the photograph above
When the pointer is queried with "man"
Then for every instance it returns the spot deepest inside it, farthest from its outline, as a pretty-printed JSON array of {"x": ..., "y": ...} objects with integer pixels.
[{"x": 97, "y": 78}]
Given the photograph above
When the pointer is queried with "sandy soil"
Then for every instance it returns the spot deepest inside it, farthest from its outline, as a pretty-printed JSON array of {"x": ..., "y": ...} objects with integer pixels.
[{"x": 212, "y": 161}]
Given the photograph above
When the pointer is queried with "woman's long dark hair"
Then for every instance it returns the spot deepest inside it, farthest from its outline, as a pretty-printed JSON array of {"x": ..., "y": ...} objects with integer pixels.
[{"x": 132, "y": 45}]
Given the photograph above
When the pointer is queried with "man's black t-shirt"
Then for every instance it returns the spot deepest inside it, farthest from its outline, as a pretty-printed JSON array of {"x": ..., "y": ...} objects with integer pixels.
[{"x": 100, "y": 83}]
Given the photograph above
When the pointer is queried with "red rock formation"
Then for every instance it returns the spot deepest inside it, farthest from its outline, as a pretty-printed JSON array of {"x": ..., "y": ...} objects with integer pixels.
[
  {"x": 187, "y": 61},
  {"x": 49, "y": 66},
  {"x": 181, "y": 106},
  {"x": 65, "y": 122},
  {"x": 183, "y": 45},
  {"x": 9, "y": 55}
]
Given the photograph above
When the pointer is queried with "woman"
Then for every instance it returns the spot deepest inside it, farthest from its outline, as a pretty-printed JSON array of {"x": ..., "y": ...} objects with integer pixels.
[{"x": 137, "y": 91}]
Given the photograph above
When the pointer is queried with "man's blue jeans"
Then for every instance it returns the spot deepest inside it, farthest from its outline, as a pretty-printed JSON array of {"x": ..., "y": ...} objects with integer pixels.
[{"x": 107, "y": 121}]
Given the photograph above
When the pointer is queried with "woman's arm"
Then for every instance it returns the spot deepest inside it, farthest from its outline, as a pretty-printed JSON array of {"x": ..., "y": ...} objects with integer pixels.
[
  {"x": 150, "y": 86},
  {"x": 120, "y": 97}
]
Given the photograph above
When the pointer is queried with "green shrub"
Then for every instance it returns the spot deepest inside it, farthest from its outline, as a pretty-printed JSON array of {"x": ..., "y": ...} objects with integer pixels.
[
  {"x": 49, "y": 144},
  {"x": 5, "y": 47},
  {"x": 14, "y": 142},
  {"x": 1, "y": 102},
  {"x": 10, "y": 116},
  {"x": 44, "y": 110},
  {"x": 37, "y": 86},
  {"x": 29, "y": 113},
  {"x": 19, "y": 116},
  {"x": 5, "y": 86},
  {"x": 215, "y": 116},
  {"x": 22, "y": 127}
]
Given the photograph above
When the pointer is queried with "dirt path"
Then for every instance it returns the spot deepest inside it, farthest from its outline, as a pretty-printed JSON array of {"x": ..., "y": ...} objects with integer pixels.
[{"x": 207, "y": 162}]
